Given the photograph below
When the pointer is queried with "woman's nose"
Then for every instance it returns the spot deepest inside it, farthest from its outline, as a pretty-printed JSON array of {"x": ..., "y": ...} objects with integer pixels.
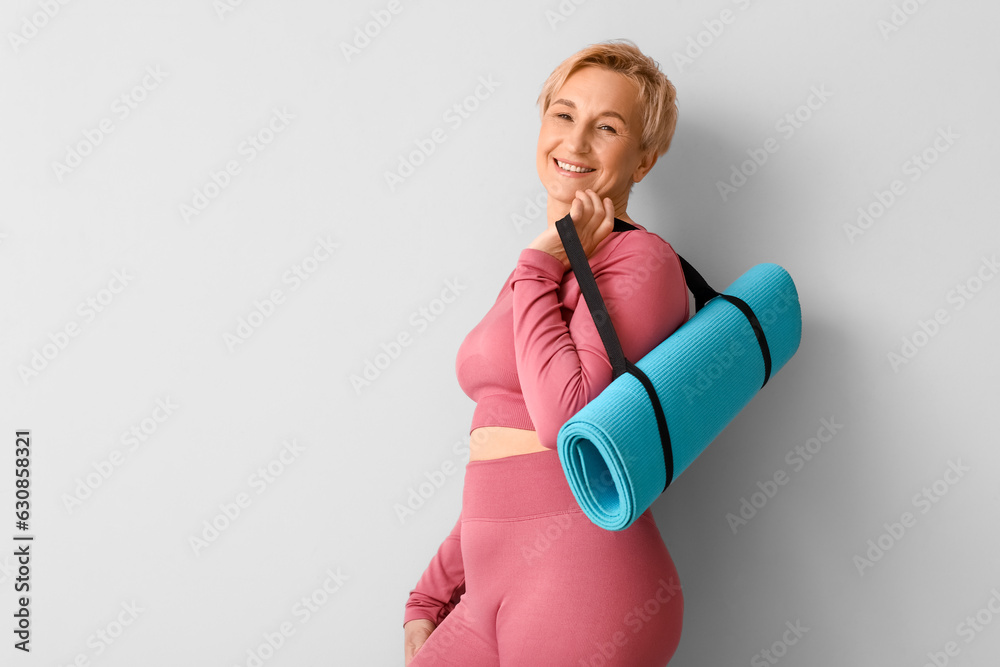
[{"x": 579, "y": 140}]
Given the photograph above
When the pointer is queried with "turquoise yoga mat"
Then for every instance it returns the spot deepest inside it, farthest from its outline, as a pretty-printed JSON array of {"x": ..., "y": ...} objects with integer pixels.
[{"x": 704, "y": 374}]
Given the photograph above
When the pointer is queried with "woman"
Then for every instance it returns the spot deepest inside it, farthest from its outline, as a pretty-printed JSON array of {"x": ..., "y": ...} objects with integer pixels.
[{"x": 525, "y": 579}]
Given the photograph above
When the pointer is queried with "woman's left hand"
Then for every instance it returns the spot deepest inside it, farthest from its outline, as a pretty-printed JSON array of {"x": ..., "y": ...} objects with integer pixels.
[{"x": 593, "y": 218}]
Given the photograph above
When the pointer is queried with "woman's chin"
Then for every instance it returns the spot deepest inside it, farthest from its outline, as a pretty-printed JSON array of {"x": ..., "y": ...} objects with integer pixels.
[{"x": 560, "y": 194}]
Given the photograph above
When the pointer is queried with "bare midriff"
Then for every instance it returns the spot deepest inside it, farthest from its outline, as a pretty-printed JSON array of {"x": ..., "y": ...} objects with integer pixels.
[{"x": 497, "y": 442}]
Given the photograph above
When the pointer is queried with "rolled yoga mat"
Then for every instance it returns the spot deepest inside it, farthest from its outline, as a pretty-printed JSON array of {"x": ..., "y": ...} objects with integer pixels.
[{"x": 703, "y": 374}]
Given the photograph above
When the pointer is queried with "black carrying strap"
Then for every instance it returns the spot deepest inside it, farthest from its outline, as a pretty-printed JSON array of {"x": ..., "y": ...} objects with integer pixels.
[{"x": 702, "y": 292}]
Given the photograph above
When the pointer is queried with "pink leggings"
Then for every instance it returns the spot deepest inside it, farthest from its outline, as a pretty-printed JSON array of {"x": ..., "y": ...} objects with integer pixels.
[{"x": 545, "y": 587}]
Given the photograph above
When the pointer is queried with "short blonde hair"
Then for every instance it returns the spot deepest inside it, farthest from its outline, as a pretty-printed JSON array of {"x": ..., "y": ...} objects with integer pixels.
[{"x": 657, "y": 95}]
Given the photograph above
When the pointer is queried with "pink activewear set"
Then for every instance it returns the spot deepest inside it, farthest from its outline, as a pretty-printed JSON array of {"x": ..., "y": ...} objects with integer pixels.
[{"x": 525, "y": 579}]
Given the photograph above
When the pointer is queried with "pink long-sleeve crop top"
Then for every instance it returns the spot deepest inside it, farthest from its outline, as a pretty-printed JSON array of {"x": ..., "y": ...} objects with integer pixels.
[{"x": 536, "y": 358}]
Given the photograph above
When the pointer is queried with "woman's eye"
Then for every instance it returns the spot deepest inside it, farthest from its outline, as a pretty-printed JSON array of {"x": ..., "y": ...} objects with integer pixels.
[{"x": 563, "y": 114}]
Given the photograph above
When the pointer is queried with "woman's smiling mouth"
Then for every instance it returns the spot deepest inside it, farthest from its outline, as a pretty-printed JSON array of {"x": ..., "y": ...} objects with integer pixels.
[{"x": 571, "y": 168}]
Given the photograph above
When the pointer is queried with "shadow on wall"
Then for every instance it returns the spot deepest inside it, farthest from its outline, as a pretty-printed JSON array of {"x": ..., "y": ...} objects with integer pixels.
[{"x": 723, "y": 551}]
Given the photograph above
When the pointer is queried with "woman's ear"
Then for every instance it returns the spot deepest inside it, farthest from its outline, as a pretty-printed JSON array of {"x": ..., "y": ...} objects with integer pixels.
[{"x": 648, "y": 160}]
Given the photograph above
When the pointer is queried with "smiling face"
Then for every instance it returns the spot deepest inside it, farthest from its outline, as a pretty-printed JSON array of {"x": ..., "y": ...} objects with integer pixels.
[{"x": 589, "y": 138}]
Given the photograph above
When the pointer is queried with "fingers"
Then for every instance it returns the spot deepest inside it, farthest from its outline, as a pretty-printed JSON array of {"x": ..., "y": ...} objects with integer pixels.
[
  {"x": 595, "y": 201},
  {"x": 415, "y": 638},
  {"x": 593, "y": 206},
  {"x": 584, "y": 204},
  {"x": 582, "y": 209},
  {"x": 412, "y": 648},
  {"x": 576, "y": 210},
  {"x": 593, "y": 216},
  {"x": 592, "y": 212}
]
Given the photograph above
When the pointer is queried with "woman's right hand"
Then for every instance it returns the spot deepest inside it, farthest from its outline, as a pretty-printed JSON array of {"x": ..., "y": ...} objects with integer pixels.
[
  {"x": 594, "y": 220},
  {"x": 416, "y": 633}
]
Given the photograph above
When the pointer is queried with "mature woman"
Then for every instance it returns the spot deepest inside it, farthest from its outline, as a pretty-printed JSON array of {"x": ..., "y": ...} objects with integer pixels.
[{"x": 525, "y": 579}]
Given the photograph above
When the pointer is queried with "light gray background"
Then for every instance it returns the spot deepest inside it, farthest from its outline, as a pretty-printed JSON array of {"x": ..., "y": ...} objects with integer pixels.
[{"x": 323, "y": 176}]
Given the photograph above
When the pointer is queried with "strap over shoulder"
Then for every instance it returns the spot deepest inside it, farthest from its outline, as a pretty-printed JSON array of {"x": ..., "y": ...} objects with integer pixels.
[{"x": 702, "y": 291}]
